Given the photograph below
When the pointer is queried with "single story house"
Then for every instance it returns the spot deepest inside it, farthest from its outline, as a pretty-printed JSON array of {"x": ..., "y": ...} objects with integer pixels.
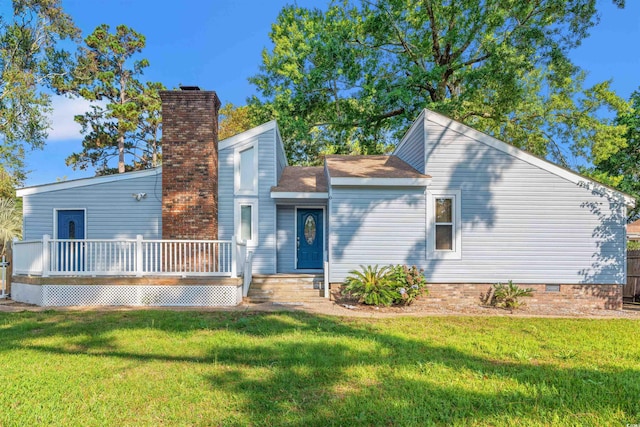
[
  {"x": 467, "y": 208},
  {"x": 633, "y": 230}
]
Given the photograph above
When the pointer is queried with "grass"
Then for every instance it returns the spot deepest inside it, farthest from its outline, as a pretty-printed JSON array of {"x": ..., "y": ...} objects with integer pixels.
[{"x": 291, "y": 369}]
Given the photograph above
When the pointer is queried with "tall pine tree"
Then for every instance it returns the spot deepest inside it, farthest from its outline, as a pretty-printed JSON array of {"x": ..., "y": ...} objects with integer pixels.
[{"x": 124, "y": 122}]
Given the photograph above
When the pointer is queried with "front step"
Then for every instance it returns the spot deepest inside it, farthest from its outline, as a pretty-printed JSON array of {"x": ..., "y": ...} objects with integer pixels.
[{"x": 287, "y": 288}]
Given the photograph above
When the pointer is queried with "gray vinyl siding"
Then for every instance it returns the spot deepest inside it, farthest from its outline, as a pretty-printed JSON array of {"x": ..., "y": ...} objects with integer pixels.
[
  {"x": 264, "y": 257},
  {"x": 286, "y": 233},
  {"x": 520, "y": 222},
  {"x": 375, "y": 225},
  {"x": 286, "y": 238},
  {"x": 411, "y": 149},
  {"x": 225, "y": 194},
  {"x": 111, "y": 211}
]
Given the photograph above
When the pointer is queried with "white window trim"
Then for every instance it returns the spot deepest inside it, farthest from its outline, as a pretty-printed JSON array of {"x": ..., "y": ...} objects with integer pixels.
[
  {"x": 254, "y": 220},
  {"x": 55, "y": 220},
  {"x": 236, "y": 170},
  {"x": 432, "y": 253}
]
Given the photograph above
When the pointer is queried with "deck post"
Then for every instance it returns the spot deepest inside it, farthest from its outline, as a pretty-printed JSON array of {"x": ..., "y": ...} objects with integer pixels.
[
  {"x": 46, "y": 255},
  {"x": 234, "y": 257},
  {"x": 139, "y": 262}
]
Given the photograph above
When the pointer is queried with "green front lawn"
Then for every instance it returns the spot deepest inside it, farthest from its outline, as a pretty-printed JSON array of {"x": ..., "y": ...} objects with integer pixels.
[{"x": 189, "y": 368}]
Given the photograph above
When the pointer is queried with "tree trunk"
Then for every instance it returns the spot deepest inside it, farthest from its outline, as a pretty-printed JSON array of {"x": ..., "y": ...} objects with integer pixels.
[
  {"x": 123, "y": 83},
  {"x": 121, "y": 153}
]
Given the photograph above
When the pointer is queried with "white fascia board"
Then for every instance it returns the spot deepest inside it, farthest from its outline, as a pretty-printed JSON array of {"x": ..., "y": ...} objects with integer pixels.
[
  {"x": 83, "y": 182},
  {"x": 539, "y": 162},
  {"x": 380, "y": 182},
  {"x": 298, "y": 195},
  {"x": 231, "y": 141}
]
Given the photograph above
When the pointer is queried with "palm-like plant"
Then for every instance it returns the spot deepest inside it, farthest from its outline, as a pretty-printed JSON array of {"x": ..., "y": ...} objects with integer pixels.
[
  {"x": 371, "y": 285},
  {"x": 10, "y": 223},
  {"x": 508, "y": 295}
]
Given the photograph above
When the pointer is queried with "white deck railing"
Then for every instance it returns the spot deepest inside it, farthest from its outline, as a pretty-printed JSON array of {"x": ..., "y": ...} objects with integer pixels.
[{"x": 135, "y": 257}]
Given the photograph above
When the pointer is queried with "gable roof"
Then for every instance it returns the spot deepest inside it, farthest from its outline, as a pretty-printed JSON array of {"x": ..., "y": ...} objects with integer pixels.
[
  {"x": 83, "y": 182},
  {"x": 569, "y": 175},
  {"x": 302, "y": 179}
]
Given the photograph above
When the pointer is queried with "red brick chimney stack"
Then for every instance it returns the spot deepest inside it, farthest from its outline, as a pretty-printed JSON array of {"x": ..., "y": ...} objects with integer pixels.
[{"x": 189, "y": 164}]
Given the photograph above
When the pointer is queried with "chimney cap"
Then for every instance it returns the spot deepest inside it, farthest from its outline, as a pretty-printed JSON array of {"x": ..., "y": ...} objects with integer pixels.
[{"x": 189, "y": 88}]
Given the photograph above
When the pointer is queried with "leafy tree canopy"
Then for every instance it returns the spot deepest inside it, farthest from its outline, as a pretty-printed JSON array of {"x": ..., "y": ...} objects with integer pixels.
[
  {"x": 622, "y": 169},
  {"x": 234, "y": 120},
  {"x": 126, "y": 123},
  {"x": 30, "y": 60},
  {"x": 352, "y": 78}
]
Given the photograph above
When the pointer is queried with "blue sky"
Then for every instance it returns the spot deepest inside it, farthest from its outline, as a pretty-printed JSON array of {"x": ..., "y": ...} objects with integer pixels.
[{"x": 217, "y": 45}]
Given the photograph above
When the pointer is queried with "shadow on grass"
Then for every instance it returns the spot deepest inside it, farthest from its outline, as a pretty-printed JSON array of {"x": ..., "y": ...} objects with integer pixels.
[{"x": 300, "y": 369}]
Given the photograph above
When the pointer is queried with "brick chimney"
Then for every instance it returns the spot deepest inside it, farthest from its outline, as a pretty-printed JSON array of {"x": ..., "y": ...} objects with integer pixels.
[{"x": 189, "y": 164}]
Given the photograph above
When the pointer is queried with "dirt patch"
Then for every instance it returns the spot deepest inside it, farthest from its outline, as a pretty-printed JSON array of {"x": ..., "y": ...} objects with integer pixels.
[{"x": 350, "y": 309}]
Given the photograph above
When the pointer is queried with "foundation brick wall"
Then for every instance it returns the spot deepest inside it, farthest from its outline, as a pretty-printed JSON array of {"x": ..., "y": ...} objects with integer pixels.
[
  {"x": 608, "y": 297},
  {"x": 190, "y": 164}
]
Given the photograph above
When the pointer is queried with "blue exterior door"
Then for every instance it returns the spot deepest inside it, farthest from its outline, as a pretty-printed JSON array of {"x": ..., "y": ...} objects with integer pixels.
[
  {"x": 70, "y": 254},
  {"x": 309, "y": 239},
  {"x": 70, "y": 224}
]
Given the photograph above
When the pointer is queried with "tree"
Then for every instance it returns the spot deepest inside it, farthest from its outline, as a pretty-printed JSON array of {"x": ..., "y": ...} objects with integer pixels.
[
  {"x": 126, "y": 124},
  {"x": 30, "y": 60},
  {"x": 234, "y": 120},
  {"x": 10, "y": 222},
  {"x": 352, "y": 78},
  {"x": 622, "y": 169}
]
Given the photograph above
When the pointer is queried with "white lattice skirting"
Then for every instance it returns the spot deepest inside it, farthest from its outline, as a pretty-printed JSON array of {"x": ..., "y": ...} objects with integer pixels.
[{"x": 139, "y": 295}]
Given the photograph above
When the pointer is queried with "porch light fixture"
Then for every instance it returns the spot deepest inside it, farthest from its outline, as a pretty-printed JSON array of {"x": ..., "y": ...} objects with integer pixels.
[{"x": 139, "y": 196}]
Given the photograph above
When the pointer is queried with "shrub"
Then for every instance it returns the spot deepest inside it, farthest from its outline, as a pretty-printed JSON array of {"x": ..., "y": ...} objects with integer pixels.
[
  {"x": 409, "y": 283},
  {"x": 507, "y": 296},
  {"x": 633, "y": 245},
  {"x": 370, "y": 286}
]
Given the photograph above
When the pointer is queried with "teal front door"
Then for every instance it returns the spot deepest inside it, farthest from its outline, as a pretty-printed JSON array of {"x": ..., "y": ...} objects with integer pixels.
[{"x": 309, "y": 239}]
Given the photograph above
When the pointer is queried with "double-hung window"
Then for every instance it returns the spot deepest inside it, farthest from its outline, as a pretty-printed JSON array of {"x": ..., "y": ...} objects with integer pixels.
[{"x": 443, "y": 223}]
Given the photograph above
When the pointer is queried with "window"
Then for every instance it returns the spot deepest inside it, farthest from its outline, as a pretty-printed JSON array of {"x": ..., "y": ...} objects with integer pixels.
[
  {"x": 72, "y": 230},
  {"x": 443, "y": 224},
  {"x": 247, "y": 171},
  {"x": 245, "y": 223}
]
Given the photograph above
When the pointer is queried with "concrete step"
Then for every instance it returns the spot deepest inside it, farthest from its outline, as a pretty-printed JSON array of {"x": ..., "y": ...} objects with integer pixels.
[
  {"x": 308, "y": 300},
  {"x": 286, "y": 288},
  {"x": 287, "y": 293}
]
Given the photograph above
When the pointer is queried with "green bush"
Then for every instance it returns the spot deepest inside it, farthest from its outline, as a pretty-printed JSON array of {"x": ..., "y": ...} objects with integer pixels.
[
  {"x": 507, "y": 296},
  {"x": 409, "y": 283},
  {"x": 370, "y": 286},
  {"x": 397, "y": 285},
  {"x": 633, "y": 245}
]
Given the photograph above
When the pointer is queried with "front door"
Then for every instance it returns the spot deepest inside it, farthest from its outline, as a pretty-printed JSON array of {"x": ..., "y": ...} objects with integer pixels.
[
  {"x": 71, "y": 253},
  {"x": 309, "y": 239}
]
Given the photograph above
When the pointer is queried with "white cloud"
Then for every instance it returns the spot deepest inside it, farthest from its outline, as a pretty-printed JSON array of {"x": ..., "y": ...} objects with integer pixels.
[{"x": 63, "y": 127}]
